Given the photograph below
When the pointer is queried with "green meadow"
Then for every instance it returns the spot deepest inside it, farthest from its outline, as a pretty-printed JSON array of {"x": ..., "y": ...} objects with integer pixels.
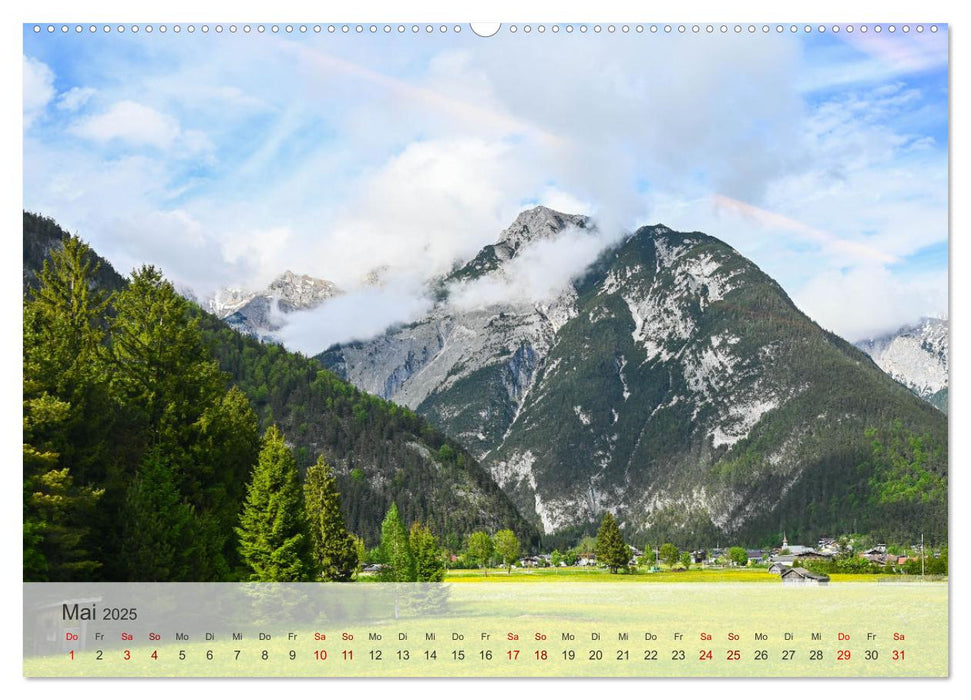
[{"x": 602, "y": 626}]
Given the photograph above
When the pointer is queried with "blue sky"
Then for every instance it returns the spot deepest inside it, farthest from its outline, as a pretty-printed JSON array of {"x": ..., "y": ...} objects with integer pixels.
[{"x": 226, "y": 159}]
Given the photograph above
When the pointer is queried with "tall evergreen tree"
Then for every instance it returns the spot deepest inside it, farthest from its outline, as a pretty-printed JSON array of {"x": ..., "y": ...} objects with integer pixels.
[
  {"x": 57, "y": 510},
  {"x": 70, "y": 312},
  {"x": 175, "y": 399},
  {"x": 163, "y": 372},
  {"x": 334, "y": 549},
  {"x": 274, "y": 541},
  {"x": 395, "y": 548},
  {"x": 226, "y": 447},
  {"x": 611, "y": 550},
  {"x": 158, "y": 538},
  {"x": 429, "y": 563}
]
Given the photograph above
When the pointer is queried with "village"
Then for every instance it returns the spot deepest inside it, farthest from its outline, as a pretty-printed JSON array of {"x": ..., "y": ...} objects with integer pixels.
[{"x": 792, "y": 564}]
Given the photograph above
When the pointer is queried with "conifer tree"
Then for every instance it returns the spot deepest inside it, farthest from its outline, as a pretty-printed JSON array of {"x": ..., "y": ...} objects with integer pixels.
[
  {"x": 274, "y": 542},
  {"x": 395, "y": 548},
  {"x": 57, "y": 510},
  {"x": 70, "y": 316},
  {"x": 175, "y": 399},
  {"x": 158, "y": 541},
  {"x": 334, "y": 549},
  {"x": 429, "y": 565},
  {"x": 162, "y": 369},
  {"x": 611, "y": 550}
]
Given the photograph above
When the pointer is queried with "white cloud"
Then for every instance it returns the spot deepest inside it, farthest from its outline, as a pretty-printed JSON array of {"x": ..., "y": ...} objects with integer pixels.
[
  {"x": 75, "y": 98},
  {"x": 866, "y": 302},
  {"x": 538, "y": 273},
  {"x": 436, "y": 202},
  {"x": 135, "y": 124},
  {"x": 335, "y": 163},
  {"x": 558, "y": 200},
  {"x": 358, "y": 315},
  {"x": 38, "y": 89}
]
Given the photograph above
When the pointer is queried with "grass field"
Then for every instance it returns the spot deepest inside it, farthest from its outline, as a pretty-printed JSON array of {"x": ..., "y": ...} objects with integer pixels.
[
  {"x": 589, "y": 574},
  {"x": 484, "y": 628}
]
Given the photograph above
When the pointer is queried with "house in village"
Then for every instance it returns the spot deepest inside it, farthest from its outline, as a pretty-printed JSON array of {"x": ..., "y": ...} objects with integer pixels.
[
  {"x": 755, "y": 556},
  {"x": 798, "y": 576},
  {"x": 779, "y": 567}
]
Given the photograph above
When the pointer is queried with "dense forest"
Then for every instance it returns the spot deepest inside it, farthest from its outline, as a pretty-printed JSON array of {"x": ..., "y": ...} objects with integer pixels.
[{"x": 143, "y": 418}]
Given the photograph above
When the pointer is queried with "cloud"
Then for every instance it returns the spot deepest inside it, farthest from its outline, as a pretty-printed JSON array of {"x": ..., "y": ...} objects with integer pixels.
[
  {"x": 358, "y": 315},
  {"x": 866, "y": 302},
  {"x": 75, "y": 98},
  {"x": 135, "y": 124},
  {"x": 38, "y": 89},
  {"x": 538, "y": 273},
  {"x": 436, "y": 202},
  {"x": 561, "y": 201},
  {"x": 412, "y": 156},
  {"x": 849, "y": 251}
]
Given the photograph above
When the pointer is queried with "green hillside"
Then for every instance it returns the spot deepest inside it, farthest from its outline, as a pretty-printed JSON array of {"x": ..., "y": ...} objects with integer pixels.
[{"x": 110, "y": 395}]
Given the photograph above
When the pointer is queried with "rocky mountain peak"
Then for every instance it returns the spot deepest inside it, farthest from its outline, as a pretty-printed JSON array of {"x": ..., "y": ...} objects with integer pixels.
[
  {"x": 916, "y": 355},
  {"x": 258, "y": 313},
  {"x": 538, "y": 223},
  {"x": 300, "y": 291}
]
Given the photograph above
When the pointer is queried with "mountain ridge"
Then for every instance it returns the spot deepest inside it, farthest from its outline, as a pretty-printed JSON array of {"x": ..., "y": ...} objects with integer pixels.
[
  {"x": 674, "y": 384},
  {"x": 916, "y": 355}
]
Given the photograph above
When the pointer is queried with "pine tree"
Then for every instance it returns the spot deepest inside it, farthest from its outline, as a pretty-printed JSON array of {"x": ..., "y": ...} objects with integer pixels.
[
  {"x": 611, "y": 550},
  {"x": 175, "y": 399},
  {"x": 429, "y": 565},
  {"x": 274, "y": 542},
  {"x": 395, "y": 549},
  {"x": 158, "y": 541},
  {"x": 226, "y": 446},
  {"x": 507, "y": 547},
  {"x": 57, "y": 510},
  {"x": 66, "y": 416},
  {"x": 70, "y": 315},
  {"x": 334, "y": 549},
  {"x": 162, "y": 369}
]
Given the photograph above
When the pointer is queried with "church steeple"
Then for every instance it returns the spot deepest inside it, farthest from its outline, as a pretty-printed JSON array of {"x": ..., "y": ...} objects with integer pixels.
[{"x": 785, "y": 542}]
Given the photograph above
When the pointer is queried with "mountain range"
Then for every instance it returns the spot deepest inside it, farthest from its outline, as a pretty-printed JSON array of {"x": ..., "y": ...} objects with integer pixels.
[
  {"x": 917, "y": 357},
  {"x": 674, "y": 384},
  {"x": 262, "y": 312}
]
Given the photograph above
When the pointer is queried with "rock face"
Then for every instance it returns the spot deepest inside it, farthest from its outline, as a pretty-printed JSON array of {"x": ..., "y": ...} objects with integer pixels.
[
  {"x": 261, "y": 313},
  {"x": 917, "y": 357},
  {"x": 675, "y": 385}
]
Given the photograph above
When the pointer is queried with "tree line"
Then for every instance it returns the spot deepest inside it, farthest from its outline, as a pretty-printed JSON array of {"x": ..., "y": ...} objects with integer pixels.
[{"x": 138, "y": 451}]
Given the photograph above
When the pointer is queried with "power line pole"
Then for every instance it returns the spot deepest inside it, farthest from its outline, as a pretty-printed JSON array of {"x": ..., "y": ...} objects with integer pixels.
[{"x": 922, "y": 555}]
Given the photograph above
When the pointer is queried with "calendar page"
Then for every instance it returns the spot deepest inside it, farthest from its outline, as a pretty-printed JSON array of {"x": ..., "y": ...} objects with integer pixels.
[{"x": 433, "y": 349}]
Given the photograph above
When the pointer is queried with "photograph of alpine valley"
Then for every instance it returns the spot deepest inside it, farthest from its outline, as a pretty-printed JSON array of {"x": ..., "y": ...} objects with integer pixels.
[{"x": 404, "y": 303}]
